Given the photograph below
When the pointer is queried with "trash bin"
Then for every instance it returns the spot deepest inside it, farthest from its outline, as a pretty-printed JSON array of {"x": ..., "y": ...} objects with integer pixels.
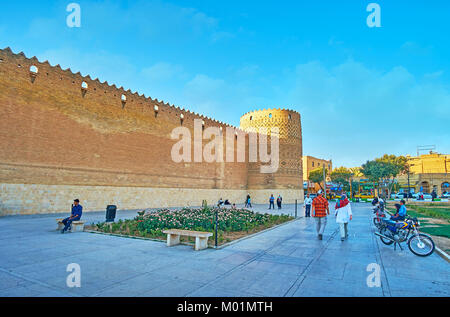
[{"x": 111, "y": 213}]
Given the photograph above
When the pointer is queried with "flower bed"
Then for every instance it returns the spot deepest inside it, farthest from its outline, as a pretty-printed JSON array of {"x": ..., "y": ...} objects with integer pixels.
[{"x": 232, "y": 223}]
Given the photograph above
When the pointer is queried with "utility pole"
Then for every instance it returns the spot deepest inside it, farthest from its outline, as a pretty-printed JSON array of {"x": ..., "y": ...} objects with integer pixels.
[
  {"x": 409, "y": 189},
  {"x": 351, "y": 192},
  {"x": 324, "y": 182},
  {"x": 216, "y": 229}
]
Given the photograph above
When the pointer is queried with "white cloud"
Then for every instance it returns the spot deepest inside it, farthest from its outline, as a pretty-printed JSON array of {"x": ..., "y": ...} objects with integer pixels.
[
  {"x": 115, "y": 69},
  {"x": 163, "y": 71},
  {"x": 359, "y": 113},
  {"x": 152, "y": 19},
  {"x": 434, "y": 75}
]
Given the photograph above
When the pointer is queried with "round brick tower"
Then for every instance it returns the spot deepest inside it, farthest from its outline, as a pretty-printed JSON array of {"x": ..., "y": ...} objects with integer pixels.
[{"x": 288, "y": 179}]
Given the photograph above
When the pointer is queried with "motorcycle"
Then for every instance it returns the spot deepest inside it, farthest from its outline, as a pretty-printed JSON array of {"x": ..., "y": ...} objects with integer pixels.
[
  {"x": 391, "y": 232},
  {"x": 379, "y": 216}
]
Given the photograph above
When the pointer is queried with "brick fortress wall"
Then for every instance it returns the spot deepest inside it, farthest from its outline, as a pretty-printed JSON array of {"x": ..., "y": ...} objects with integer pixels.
[
  {"x": 288, "y": 178},
  {"x": 59, "y": 141}
]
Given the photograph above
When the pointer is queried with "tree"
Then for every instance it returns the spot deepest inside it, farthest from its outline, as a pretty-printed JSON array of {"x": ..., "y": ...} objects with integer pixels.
[
  {"x": 316, "y": 176},
  {"x": 374, "y": 170},
  {"x": 395, "y": 165},
  {"x": 384, "y": 170},
  {"x": 356, "y": 171},
  {"x": 341, "y": 175}
]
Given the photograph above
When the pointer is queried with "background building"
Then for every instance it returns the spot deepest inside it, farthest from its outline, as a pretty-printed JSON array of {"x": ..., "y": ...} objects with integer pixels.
[
  {"x": 311, "y": 163},
  {"x": 428, "y": 172}
]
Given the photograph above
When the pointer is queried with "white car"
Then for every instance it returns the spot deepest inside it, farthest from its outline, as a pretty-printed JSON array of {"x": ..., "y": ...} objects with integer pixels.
[
  {"x": 400, "y": 195},
  {"x": 425, "y": 196},
  {"x": 446, "y": 195}
]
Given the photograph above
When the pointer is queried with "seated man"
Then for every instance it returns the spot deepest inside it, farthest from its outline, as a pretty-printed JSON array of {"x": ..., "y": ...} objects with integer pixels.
[
  {"x": 77, "y": 210},
  {"x": 401, "y": 214},
  {"x": 381, "y": 203}
]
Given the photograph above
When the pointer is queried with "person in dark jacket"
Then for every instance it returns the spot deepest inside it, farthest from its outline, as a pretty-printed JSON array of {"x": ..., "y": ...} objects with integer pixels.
[
  {"x": 433, "y": 195},
  {"x": 247, "y": 201},
  {"x": 279, "y": 200},
  {"x": 77, "y": 211}
]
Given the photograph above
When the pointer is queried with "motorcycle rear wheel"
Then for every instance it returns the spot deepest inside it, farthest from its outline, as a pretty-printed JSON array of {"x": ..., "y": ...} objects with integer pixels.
[
  {"x": 421, "y": 248},
  {"x": 376, "y": 222},
  {"x": 383, "y": 232}
]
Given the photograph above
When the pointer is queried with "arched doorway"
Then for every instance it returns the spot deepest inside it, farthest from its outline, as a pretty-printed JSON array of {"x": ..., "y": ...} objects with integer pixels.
[
  {"x": 425, "y": 187},
  {"x": 445, "y": 187}
]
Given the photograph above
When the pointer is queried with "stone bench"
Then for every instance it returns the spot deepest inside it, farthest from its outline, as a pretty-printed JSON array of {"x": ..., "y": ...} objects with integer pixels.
[
  {"x": 77, "y": 226},
  {"x": 201, "y": 238}
]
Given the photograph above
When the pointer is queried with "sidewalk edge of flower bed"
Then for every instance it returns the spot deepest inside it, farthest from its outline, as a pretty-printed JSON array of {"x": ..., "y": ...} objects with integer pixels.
[
  {"x": 128, "y": 236},
  {"x": 254, "y": 234}
]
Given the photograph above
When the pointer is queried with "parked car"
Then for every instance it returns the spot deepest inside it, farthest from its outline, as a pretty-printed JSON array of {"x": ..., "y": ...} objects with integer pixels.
[
  {"x": 445, "y": 195},
  {"x": 425, "y": 195},
  {"x": 365, "y": 196},
  {"x": 401, "y": 195}
]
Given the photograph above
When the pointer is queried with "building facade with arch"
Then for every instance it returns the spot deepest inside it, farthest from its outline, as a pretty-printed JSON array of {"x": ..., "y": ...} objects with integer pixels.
[{"x": 428, "y": 172}]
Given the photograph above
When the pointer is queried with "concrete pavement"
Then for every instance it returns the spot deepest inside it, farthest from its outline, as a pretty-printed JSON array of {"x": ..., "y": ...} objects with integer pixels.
[{"x": 285, "y": 261}]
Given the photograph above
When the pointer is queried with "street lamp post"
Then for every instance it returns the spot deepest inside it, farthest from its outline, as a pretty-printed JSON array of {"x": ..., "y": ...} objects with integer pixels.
[
  {"x": 409, "y": 189},
  {"x": 216, "y": 229},
  {"x": 351, "y": 192}
]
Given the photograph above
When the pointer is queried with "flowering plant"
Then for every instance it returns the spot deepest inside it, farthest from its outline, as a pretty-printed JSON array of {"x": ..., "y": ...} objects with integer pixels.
[{"x": 151, "y": 224}]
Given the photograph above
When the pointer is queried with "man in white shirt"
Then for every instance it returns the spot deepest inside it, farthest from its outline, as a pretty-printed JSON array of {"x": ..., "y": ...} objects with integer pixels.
[{"x": 308, "y": 202}]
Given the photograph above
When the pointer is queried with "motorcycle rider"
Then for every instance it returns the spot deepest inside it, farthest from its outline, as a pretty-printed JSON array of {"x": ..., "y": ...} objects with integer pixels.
[
  {"x": 381, "y": 203},
  {"x": 401, "y": 213}
]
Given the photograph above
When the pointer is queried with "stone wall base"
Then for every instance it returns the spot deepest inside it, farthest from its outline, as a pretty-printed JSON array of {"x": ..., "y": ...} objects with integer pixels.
[{"x": 23, "y": 199}]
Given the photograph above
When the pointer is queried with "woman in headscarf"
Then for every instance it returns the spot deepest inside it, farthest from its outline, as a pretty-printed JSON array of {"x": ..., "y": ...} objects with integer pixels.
[{"x": 343, "y": 213}]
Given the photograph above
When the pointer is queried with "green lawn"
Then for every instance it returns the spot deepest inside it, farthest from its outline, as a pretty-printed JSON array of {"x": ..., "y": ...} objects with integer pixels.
[{"x": 435, "y": 212}]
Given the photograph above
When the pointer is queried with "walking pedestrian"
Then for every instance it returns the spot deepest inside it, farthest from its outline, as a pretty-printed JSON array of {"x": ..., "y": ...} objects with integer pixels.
[
  {"x": 320, "y": 211},
  {"x": 279, "y": 200},
  {"x": 433, "y": 195},
  {"x": 308, "y": 202},
  {"x": 272, "y": 201},
  {"x": 249, "y": 201},
  {"x": 343, "y": 213}
]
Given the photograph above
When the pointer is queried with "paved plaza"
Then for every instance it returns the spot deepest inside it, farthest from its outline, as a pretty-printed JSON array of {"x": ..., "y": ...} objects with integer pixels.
[{"x": 286, "y": 261}]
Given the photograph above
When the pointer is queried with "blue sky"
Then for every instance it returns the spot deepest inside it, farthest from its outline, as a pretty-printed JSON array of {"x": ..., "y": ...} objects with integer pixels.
[{"x": 361, "y": 91}]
